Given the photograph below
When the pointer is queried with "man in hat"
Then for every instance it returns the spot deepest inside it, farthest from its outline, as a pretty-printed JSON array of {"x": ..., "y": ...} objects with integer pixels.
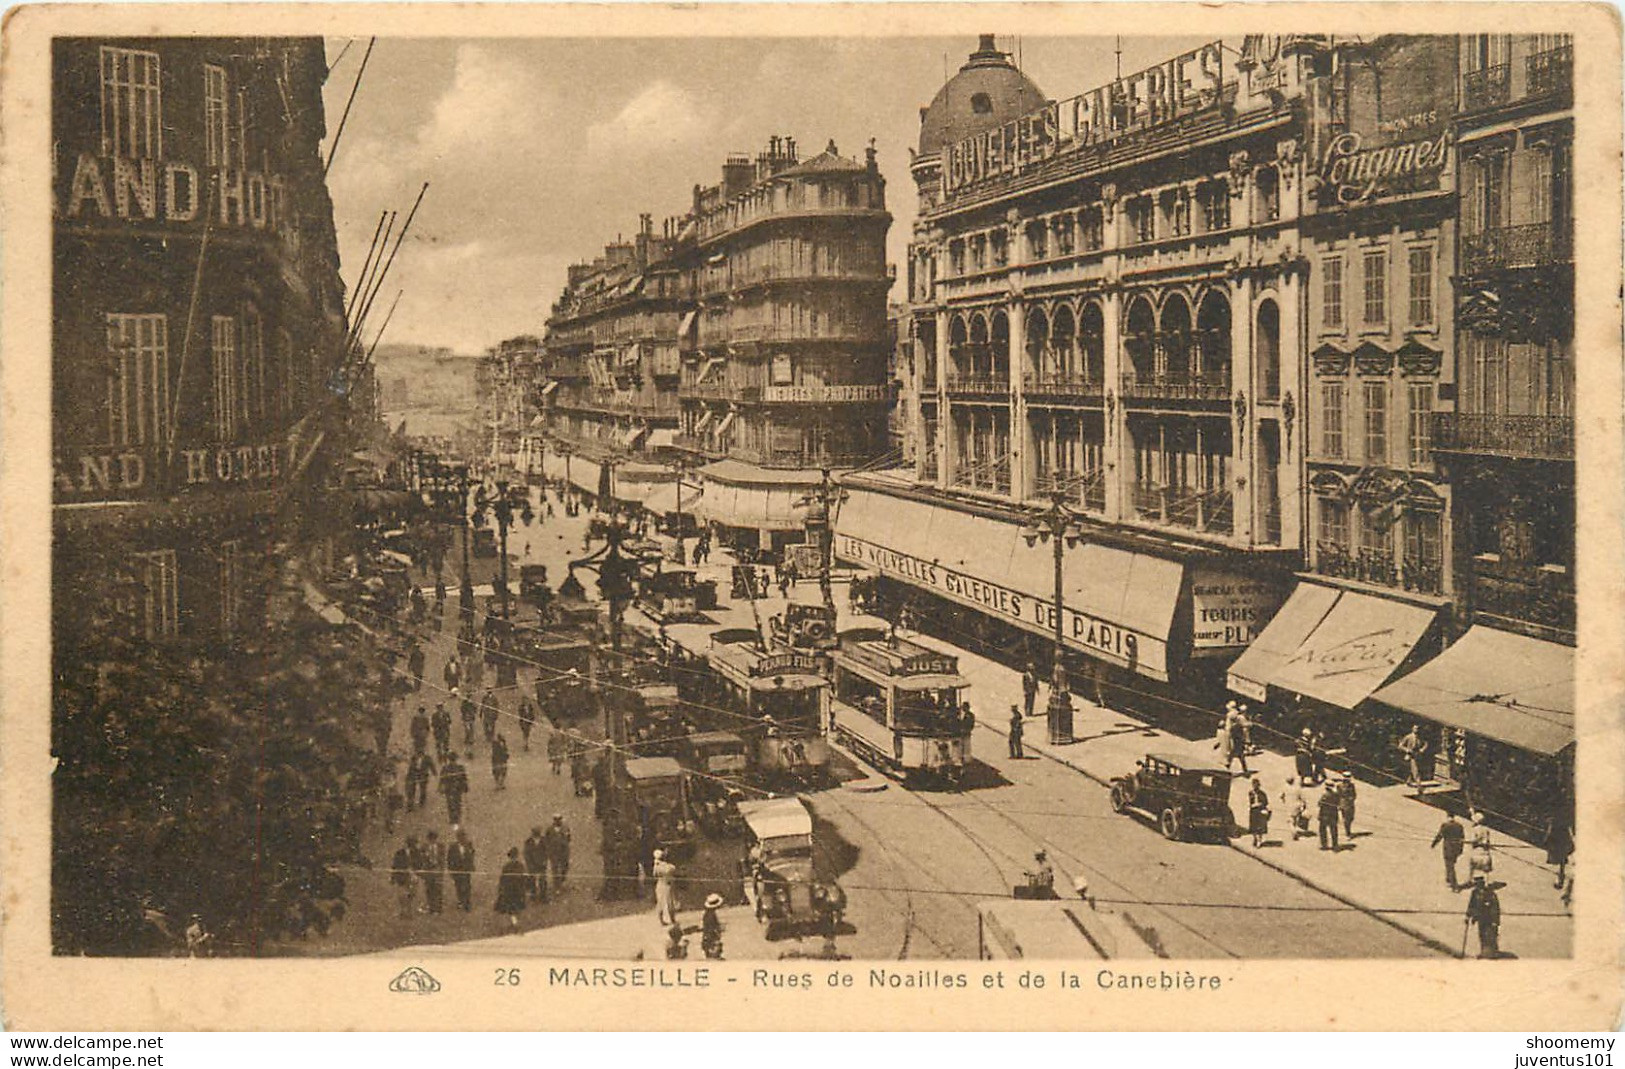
[
  {"x": 556, "y": 849},
  {"x": 420, "y": 730},
  {"x": 414, "y": 664},
  {"x": 535, "y": 853},
  {"x": 665, "y": 876},
  {"x": 1345, "y": 803},
  {"x": 1042, "y": 877},
  {"x": 418, "y": 771},
  {"x": 1410, "y": 747},
  {"x": 1303, "y": 756},
  {"x": 1452, "y": 837},
  {"x": 1016, "y": 729},
  {"x": 527, "y": 720},
  {"x": 432, "y": 866},
  {"x": 1029, "y": 687},
  {"x": 511, "y": 888},
  {"x": 454, "y": 784},
  {"x": 440, "y": 726},
  {"x": 490, "y": 712},
  {"x": 402, "y": 875},
  {"x": 711, "y": 927},
  {"x": 1326, "y": 816},
  {"x": 1484, "y": 910},
  {"x": 460, "y": 863},
  {"x": 452, "y": 673}
]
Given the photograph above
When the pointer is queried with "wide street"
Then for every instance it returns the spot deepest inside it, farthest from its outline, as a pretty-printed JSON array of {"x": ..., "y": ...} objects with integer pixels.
[{"x": 914, "y": 863}]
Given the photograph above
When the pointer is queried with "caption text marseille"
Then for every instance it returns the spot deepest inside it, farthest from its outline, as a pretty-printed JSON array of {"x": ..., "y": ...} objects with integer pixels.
[{"x": 942, "y": 979}]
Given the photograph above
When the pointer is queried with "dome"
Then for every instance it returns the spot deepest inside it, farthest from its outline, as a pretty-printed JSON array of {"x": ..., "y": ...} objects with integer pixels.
[{"x": 987, "y": 92}]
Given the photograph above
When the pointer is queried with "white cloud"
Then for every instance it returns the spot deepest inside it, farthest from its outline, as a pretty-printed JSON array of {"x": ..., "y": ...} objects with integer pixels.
[
  {"x": 492, "y": 100},
  {"x": 662, "y": 117}
]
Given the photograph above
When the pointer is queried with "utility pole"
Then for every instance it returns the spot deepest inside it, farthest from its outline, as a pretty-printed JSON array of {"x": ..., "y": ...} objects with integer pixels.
[{"x": 821, "y": 506}]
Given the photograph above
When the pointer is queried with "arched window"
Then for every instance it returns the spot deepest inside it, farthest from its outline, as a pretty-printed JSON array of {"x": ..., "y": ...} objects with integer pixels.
[
  {"x": 999, "y": 348},
  {"x": 1038, "y": 343},
  {"x": 1174, "y": 343},
  {"x": 1091, "y": 343},
  {"x": 980, "y": 362},
  {"x": 1268, "y": 184},
  {"x": 1140, "y": 339},
  {"x": 1063, "y": 338},
  {"x": 958, "y": 348},
  {"x": 1268, "y": 350},
  {"x": 981, "y": 104},
  {"x": 1213, "y": 340}
]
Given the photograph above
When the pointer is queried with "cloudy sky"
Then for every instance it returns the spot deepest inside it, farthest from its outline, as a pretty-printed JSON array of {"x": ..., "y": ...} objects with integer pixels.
[{"x": 539, "y": 151}]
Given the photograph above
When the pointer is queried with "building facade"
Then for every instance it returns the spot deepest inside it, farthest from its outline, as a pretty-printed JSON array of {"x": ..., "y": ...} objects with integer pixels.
[
  {"x": 1107, "y": 296},
  {"x": 785, "y": 359},
  {"x": 198, "y": 318}
]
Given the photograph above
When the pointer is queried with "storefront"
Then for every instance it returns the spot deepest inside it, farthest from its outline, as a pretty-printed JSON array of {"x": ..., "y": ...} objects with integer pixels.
[
  {"x": 1149, "y": 615},
  {"x": 1501, "y": 708},
  {"x": 754, "y": 508},
  {"x": 1323, "y": 656}
]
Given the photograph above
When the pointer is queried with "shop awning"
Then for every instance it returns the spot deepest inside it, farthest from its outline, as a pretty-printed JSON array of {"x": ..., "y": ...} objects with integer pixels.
[
  {"x": 1510, "y": 688},
  {"x": 552, "y": 385},
  {"x": 687, "y": 323},
  {"x": 1362, "y": 642},
  {"x": 663, "y": 499},
  {"x": 662, "y": 438},
  {"x": 1304, "y": 610},
  {"x": 710, "y": 366},
  {"x": 703, "y": 422},
  {"x": 722, "y": 428},
  {"x": 630, "y": 437}
]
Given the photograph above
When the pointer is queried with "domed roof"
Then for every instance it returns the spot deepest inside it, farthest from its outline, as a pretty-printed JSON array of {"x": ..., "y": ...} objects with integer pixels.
[{"x": 987, "y": 92}]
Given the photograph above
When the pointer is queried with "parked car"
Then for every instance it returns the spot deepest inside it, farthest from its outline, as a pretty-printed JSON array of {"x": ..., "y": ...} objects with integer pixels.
[{"x": 1183, "y": 798}]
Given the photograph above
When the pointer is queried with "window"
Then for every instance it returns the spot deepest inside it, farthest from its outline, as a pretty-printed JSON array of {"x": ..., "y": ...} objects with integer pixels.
[
  {"x": 1269, "y": 194},
  {"x": 1331, "y": 292},
  {"x": 1492, "y": 190},
  {"x": 1376, "y": 422},
  {"x": 132, "y": 104},
  {"x": 1539, "y": 192},
  {"x": 1376, "y": 288},
  {"x": 1094, "y": 231},
  {"x": 216, "y": 116},
  {"x": 1331, "y": 419},
  {"x": 1376, "y": 532},
  {"x": 956, "y": 257},
  {"x": 253, "y": 341},
  {"x": 231, "y": 586},
  {"x": 1422, "y": 556},
  {"x": 1419, "y": 436},
  {"x": 138, "y": 388},
  {"x": 1064, "y": 237},
  {"x": 1142, "y": 219},
  {"x": 1038, "y": 240},
  {"x": 227, "y": 387},
  {"x": 1421, "y": 278},
  {"x": 156, "y": 595},
  {"x": 1001, "y": 248},
  {"x": 783, "y": 373},
  {"x": 981, "y": 104},
  {"x": 1216, "y": 206},
  {"x": 1334, "y": 522}
]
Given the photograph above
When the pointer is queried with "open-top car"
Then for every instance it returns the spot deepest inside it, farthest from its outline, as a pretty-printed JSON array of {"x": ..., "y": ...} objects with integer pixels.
[{"x": 1184, "y": 798}]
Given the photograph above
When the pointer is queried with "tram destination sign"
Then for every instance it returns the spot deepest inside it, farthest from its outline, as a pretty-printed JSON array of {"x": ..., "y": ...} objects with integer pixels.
[{"x": 784, "y": 664}]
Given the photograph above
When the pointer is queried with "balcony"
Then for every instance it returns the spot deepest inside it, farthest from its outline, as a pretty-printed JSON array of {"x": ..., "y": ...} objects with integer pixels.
[
  {"x": 1210, "y": 511},
  {"x": 837, "y": 393},
  {"x": 1176, "y": 387},
  {"x": 1063, "y": 386},
  {"x": 804, "y": 459},
  {"x": 1379, "y": 566},
  {"x": 979, "y": 385},
  {"x": 1530, "y": 245},
  {"x": 1538, "y": 595},
  {"x": 719, "y": 391},
  {"x": 1086, "y": 493},
  {"x": 1550, "y": 73},
  {"x": 1493, "y": 434},
  {"x": 1489, "y": 87}
]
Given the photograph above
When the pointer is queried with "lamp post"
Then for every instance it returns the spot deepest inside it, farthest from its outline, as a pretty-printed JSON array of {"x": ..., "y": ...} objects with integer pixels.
[
  {"x": 1058, "y": 524},
  {"x": 502, "y": 506},
  {"x": 465, "y": 595},
  {"x": 681, "y": 469},
  {"x": 821, "y": 503}
]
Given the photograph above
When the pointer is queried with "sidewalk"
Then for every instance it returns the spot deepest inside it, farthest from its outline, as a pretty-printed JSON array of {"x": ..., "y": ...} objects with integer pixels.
[{"x": 1388, "y": 870}]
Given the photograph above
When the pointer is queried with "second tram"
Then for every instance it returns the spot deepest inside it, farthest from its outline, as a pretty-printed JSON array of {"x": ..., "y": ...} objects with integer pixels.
[{"x": 897, "y": 704}]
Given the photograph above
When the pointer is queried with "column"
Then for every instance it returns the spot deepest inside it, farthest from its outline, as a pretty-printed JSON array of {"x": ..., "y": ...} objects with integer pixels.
[
  {"x": 1294, "y": 357},
  {"x": 1117, "y": 451},
  {"x": 1244, "y": 431},
  {"x": 945, "y": 453},
  {"x": 1020, "y": 441}
]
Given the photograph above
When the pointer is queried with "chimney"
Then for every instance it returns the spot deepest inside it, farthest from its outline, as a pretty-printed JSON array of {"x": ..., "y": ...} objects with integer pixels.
[{"x": 737, "y": 173}]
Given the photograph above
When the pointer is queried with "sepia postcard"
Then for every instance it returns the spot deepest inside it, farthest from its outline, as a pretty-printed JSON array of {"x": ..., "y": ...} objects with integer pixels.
[{"x": 850, "y": 516}]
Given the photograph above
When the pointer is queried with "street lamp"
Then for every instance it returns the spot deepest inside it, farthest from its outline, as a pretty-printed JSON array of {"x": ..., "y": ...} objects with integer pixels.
[
  {"x": 1057, "y": 524},
  {"x": 681, "y": 468},
  {"x": 502, "y": 506},
  {"x": 821, "y": 503}
]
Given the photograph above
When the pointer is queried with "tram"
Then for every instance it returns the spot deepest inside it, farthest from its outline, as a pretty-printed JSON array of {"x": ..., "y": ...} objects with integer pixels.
[
  {"x": 782, "y": 699},
  {"x": 897, "y": 704}
]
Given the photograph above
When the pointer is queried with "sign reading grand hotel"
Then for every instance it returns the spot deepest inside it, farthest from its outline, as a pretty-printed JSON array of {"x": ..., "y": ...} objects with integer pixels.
[
  {"x": 171, "y": 191},
  {"x": 1101, "y": 638},
  {"x": 137, "y": 472},
  {"x": 1186, "y": 84}
]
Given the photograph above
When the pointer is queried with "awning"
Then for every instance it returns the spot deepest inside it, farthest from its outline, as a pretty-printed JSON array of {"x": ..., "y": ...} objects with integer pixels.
[
  {"x": 710, "y": 366},
  {"x": 1510, "y": 688},
  {"x": 727, "y": 421},
  {"x": 538, "y": 421},
  {"x": 324, "y": 608},
  {"x": 1304, "y": 610},
  {"x": 629, "y": 437},
  {"x": 687, "y": 323},
  {"x": 934, "y": 681},
  {"x": 704, "y": 421},
  {"x": 552, "y": 384},
  {"x": 1363, "y": 641},
  {"x": 663, "y": 498},
  {"x": 662, "y": 438}
]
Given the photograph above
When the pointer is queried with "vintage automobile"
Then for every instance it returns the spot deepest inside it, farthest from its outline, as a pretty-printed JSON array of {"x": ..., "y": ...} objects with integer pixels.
[
  {"x": 533, "y": 584},
  {"x": 485, "y": 542},
  {"x": 805, "y": 626},
  {"x": 1184, "y": 798},
  {"x": 675, "y": 594},
  {"x": 780, "y": 880},
  {"x": 657, "y": 791},
  {"x": 716, "y": 762}
]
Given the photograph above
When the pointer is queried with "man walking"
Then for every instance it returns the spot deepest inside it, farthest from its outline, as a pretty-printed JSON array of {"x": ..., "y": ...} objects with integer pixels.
[
  {"x": 499, "y": 761},
  {"x": 417, "y": 780},
  {"x": 454, "y": 784},
  {"x": 1411, "y": 748},
  {"x": 511, "y": 888},
  {"x": 1484, "y": 910},
  {"x": 527, "y": 720},
  {"x": 460, "y": 863},
  {"x": 453, "y": 674},
  {"x": 490, "y": 712},
  {"x": 401, "y": 874},
  {"x": 1029, "y": 687},
  {"x": 1345, "y": 803},
  {"x": 1016, "y": 729},
  {"x": 433, "y": 868},
  {"x": 1452, "y": 838},
  {"x": 467, "y": 715},
  {"x": 420, "y": 730},
  {"x": 440, "y": 725},
  {"x": 1326, "y": 817},
  {"x": 557, "y": 843},
  {"x": 665, "y": 876},
  {"x": 535, "y": 854},
  {"x": 414, "y": 663}
]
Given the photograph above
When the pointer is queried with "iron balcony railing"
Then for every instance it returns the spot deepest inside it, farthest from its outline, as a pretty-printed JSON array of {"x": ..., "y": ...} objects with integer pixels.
[
  {"x": 1052, "y": 384},
  {"x": 1529, "y": 245},
  {"x": 1176, "y": 387},
  {"x": 1550, "y": 73},
  {"x": 1495, "y": 434},
  {"x": 978, "y": 385},
  {"x": 1487, "y": 87},
  {"x": 1525, "y": 593},
  {"x": 1380, "y": 566}
]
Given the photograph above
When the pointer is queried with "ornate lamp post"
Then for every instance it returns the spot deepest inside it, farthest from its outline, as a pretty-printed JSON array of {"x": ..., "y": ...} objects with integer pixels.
[
  {"x": 821, "y": 504},
  {"x": 1057, "y": 524},
  {"x": 501, "y": 504},
  {"x": 680, "y": 466}
]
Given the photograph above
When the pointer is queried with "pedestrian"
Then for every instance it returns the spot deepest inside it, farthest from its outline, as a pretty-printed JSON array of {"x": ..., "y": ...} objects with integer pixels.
[
  {"x": 1326, "y": 817},
  {"x": 414, "y": 662},
  {"x": 784, "y": 582},
  {"x": 417, "y": 780},
  {"x": 394, "y": 798},
  {"x": 1244, "y": 724},
  {"x": 557, "y": 750},
  {"x": 511, "y": 888},
  {"x": 1303, "y": 756},
  {"x": 403, "y": 876},
  {"x": 433, "y": 867},
  {"x": 711, "y": 928},
  {"x": 1480, "y": 861},
  {"x": 1029, "y": 687},
  {"x": 439, "y": 595},
  {"x": 557, "y": 840},
  {"x": 440, "y": 725},
  {"x": 460, "y": 863},
  {"x": 1221, "y": 743},
  {"x": 468, "y": 713},
  {"x": 1559, "y": 845},
  {"x": 535, "y": 853},
  {"x": 1484, "y": 910},
  {"x": 1410, "y": 747},
  {"x": 665, "y": 877},
  {"x": 1016, "y": 729},
  {"x": 1233, "y": 721},
  {"x": 1042, "y": 878},
  {"x": 1317, "y": 756},
  {"x": 1451, "y": 837},
  {"x": 452, "y": 673},
  {"x": 420, "y": 730},
  {"x": 454, "y": 784},
  {"x": 1258, "y": 812},
  {"x": 1297, "y": 807},
  {"x": 1345, "y": 803},
  {"x": 499, "y": 761},
  {"x": 490, "y": 712},
  {"x": 527, "y": 720}
]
